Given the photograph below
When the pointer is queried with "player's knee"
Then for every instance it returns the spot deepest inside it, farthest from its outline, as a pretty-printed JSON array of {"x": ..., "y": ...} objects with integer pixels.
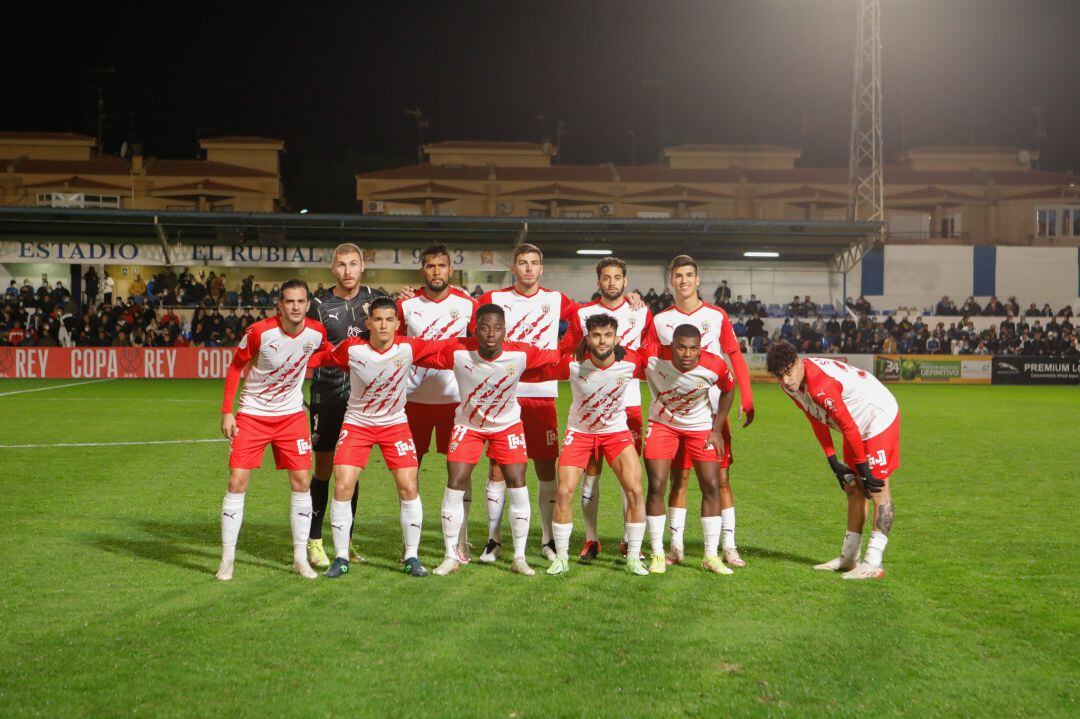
[{"x": 633, "y": 496}]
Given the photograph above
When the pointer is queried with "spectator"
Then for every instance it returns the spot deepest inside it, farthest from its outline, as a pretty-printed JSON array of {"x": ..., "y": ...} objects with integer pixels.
[
  {"x": 945, "y": 306},
  {"x": 970, "y": 308},
  {"x": 110, "y": 286},
  {"x": 477, "y": 292},
  {"x": 994, "y": 308},
  {"x": 794, "y": 308},
  {"x": 722, "y": 295},
  {"x": 809, "y": 307},
  {"x": 787, "y": 332},
  {"x": 1032, "y": 311},
  {"x": 1047, "y": 311},
  {"x": 739, "y": 327},
  {"x": 12, "y": 291},
  {"x": 1012, "y": 307},
  {"x": 90, "y": 285},
  {"x": 755, "y": 327}
]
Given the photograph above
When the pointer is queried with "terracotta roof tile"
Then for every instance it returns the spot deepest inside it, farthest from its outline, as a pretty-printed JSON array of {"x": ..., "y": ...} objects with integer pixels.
[
  {"x": 555, "y": 190},
  {"x": 804, "y": 192},
  {"x": 427, "y": 172},
  {"x": 73, "y": 136},
  {"x": 74, "y": 183},
  {"x": 556, "y": 173},
  {"x": 1053, "y": 193},
  {"x": 427, "y": 189},
  {"x": 99, "y": 166},
  {"x": 201, "y": 168},
  {"x": 932, "y": 193},
  {"x": 205, "y": 184},
  {"x": 677, "y": 192}
]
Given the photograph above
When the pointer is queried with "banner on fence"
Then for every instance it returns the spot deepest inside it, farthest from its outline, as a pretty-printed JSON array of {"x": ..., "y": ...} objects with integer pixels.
[
  {"x": 933, "y": 369},
  {"x": 1036, "y": 370},
  {"x": 114, "y": 362}
]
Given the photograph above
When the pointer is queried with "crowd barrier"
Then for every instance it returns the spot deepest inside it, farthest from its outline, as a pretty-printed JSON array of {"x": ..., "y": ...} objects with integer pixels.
[{"x": 211, "y": 363}]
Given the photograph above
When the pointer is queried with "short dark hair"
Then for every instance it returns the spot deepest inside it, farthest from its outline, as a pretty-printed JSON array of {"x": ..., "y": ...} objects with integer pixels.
[
  {"x": 490, "y": 309},
  {"x": 434, "y": 251},
  {"x": 525, "y": 248},
  {"x": 610, "y": 262},
  {"x": 682, "y": 261},
  {"x": 293, "y": 284},
  {"x": 686, "y": 330},
  {"x": 381, "y": 303},
  {"x": 601, "y": 319},
  {"x": 780, "y": 357}
]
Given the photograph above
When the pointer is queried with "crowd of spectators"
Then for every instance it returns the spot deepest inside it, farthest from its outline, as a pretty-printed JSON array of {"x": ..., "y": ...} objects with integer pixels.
[{"x": 47, "y": 315}]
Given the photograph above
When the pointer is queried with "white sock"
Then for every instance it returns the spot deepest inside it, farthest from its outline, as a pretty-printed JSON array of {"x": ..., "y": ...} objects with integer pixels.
[
  {"x": 711, "y": 527},
  {"x": 727, "y": 531},
  {"x": 412, "y": 521},
  {"x": 300, "y": 520},
  {"x": 625, "y": 505},
  {"x": 562, "y": 538},
  {"x": 590, "y": 505},
  {"x": 655, "y": 524},
  {"x": 453, "y": 511},
  {"x": 852, "y": 542},
  {"x": 496, "y": 500},
  {"x": 677, "y": 522},
  {"x": 547, "y": 508},
  {"x": 232, "y": 516},
  {"x": 341, "y": 520},
  {"x": 466, "y": 500},
  {"x": 520, "y": 516},
  {"x": 635, "y": 533},
  {"x": 875, "y": 547}
]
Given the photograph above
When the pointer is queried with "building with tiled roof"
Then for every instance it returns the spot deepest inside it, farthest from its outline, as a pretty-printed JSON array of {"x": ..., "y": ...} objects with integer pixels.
[
  {"x": 962, "y": 194},
  {"x": 63, "y": 169}
]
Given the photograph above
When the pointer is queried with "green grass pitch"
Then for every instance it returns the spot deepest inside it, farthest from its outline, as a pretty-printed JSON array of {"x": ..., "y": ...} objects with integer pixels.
[{"x": 108, "y": 604}]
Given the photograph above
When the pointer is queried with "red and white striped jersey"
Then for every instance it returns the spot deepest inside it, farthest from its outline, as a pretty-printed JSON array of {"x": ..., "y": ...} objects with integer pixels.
[
  {"x": 488, "y": 387},
  {"x": 717, "y": 337},
  {"x": 599, "y": 393},
  {"x": 533, "y": 319},
  {"x": 633, "y": 326},
  {"x": 275, "y": 383},
  {"x": 435, "y": 320},
  {"x": 844, "y": 398},
  {"x": 681, "y": 399},
  {"x": 378, "y": 380}
]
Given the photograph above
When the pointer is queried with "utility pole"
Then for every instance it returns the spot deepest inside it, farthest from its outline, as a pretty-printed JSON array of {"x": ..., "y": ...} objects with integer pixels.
[
  {"x": 866, "y": 183},
  {"x": 97, "y": 85}
]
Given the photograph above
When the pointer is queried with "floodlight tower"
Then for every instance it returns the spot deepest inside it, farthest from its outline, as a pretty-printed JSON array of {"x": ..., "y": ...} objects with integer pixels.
[{"x": 866, "y": 183}]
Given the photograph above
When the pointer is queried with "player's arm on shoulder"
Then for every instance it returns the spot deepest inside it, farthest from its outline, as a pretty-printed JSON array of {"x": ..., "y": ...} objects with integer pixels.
[
  {"x": 539, "y": 358},
  {"x": 549, "y": 372},
  {"x": 435, "y": 354},
  {"x": 570, "y": 340},
  {"x": 634, "y": 299}
]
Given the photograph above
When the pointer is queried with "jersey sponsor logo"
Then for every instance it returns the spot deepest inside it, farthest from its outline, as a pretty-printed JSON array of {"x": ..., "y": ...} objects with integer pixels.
[
  {"x": 303, "y": 446},
  {"x": 333, "y": 315},
  {"x": 551, "y": 438},
  {"x": 877, "y": 459},
  {"x": 405, "y": 447},
  {"x": 274, "y": 346},
  {"x": 517, "y": 440}
]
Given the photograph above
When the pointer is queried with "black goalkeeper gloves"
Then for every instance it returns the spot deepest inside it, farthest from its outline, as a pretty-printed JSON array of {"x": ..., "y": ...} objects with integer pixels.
[{"x": 843, "y": 473}]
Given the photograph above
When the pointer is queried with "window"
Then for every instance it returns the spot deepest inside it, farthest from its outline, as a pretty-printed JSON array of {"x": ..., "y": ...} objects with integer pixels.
[
  {"x": 655, "y": 215},
  {"x": 77, "y": 199},
  {"x": 950, "y": 225},
  {"x": 404, "y": 211},
  {"x": 1061, "y": 221},
  {"x": 571, "y": 214},
  {"x": 698, "y": 214},
  {"x": 446, "y": 210}
]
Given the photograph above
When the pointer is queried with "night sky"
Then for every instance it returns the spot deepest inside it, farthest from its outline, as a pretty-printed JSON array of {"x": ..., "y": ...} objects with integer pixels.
[{"x": 333, "y": 79}]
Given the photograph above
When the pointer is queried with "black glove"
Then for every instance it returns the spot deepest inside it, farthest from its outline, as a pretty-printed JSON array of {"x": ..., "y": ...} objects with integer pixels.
[
  {"x": 843, "y": 473},
  {"x": 871, "y": 485}
]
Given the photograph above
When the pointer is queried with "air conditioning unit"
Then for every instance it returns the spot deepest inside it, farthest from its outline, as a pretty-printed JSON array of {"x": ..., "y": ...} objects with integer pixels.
[
  {"x": 505, "y": 208},
  {"x": 607, "y": 210},
  {"x": 374, "y": 207}
]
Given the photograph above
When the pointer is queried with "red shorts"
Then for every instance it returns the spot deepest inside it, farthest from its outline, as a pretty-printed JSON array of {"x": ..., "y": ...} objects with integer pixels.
[
  {"x": 580, "y": 447},
  {"x": 882, "y": 451},
  {"x": 289, "y": 436},
  {"x": 635, "y": 423},
  {"x": 423, "y": 418},
  {"x": 541, "y": 423},
  {"x": 663, "y": 442},
  {"x": 505, "y": 447},
  {"x": 684, "y": 462},
  {"x": 396, "y": 442}
]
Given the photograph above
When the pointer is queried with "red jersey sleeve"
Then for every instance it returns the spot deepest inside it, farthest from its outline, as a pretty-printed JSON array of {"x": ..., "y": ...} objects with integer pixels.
[
  {"x": 640, "y": 362},
  {"x": 555, "y": 371},
  {"x": 440, "y": 358},
  {"x": 402, "y": 328},
  {"x": 535, "y": 358},
  {"x": 425, "y": 349},
  {"x": 650, "y": 341},
  {"x": 247, "y": 350},
  {"x": 573, "y": 334},
  {"x": 322, "y": 355},
  {"x": 730, "y": 344},
  {"x": 827, "y": 393},
  {"x": 569, "y": 308}
]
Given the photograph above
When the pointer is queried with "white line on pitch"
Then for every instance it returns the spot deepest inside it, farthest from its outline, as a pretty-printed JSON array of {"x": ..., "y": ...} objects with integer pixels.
[
  {"x": 109, "y": 444},
  {"x": 55, "y": 386},
  {"x": 122, "y": 399}
]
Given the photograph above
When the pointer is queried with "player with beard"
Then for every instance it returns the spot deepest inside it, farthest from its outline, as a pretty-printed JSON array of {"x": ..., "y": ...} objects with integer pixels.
[
  {"x": 717, "y": 337},
  {"x": 342, "y": 311},
  {"x": 438, "y": 311},
  {"x": 632, "y": 323}
]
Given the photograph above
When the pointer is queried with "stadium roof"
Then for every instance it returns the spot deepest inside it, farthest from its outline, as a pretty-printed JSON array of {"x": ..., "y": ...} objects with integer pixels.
[{"x": 630, "y": 239}]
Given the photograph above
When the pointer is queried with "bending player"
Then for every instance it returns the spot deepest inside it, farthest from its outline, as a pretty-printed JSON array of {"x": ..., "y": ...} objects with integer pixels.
[
  {"x": 682, "y": 423},
  {"x": 835, "y": 394},
  {"x": 595, "y": 427},
  {"x": 437, "y": 311},
  {"x": 342, "y": 312},
  {"x": 278, "y": 350},
  {"x": 632, "y": 323},
  {"x": 379, "y": 370},
  {"x": 718, "y": 338},
  {"x": 487, "y": 370}
]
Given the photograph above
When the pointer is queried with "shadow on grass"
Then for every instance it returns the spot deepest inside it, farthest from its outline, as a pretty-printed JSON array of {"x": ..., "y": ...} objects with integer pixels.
[{"x": 751, "y": 552}]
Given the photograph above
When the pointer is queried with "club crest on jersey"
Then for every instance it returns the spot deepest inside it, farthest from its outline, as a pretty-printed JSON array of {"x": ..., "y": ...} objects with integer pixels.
[
  {"x": 511, "y": 371},
  {"x": 454, "y": 314},
  {"x": 704, "y": 327},
  {"x": 398, "y": 363},
  {"x": 308, "y": 347},
  {"x": 632, "y": 321},
  {"x": 545, "y": 308}
]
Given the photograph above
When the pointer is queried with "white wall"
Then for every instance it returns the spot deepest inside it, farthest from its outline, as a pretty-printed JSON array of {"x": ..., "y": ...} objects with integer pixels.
[
  {"x": 1038, "y": 274},
  {"x": 918, "y": 276}
]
